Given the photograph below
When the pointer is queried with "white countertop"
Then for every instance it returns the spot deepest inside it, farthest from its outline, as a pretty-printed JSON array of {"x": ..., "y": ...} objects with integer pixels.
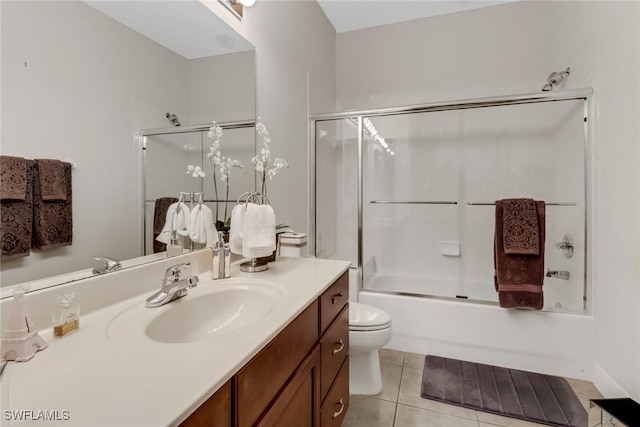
[{"x": 103, "y": 379}]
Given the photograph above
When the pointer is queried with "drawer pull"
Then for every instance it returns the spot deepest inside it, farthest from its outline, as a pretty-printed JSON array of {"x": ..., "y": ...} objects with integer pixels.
[
  {"x": 337, "y": 414},
  {"x": 336, "y": 298},
  {"x": 338, "y": 349}
]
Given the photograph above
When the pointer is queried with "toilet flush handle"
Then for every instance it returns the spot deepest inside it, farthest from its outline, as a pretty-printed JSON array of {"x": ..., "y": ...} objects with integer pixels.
[{"x": 337, "y": 297}]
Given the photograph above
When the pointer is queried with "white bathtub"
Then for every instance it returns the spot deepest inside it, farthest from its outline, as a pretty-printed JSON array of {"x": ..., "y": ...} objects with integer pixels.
[{"x": 549, "y": 342}]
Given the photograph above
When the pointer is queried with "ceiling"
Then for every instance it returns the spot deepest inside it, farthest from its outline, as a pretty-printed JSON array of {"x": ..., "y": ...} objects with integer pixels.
[
  {"x": 188, "y": 27},
  {"x": 349, "y": 15}
]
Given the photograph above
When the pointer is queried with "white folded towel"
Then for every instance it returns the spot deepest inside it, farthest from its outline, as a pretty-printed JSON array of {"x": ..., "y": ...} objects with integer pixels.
[
  {"x": 236, "y": 233},
  {"x": 178, "y": 221},
  {"x": 259, "y": 231},
  {"x": 202, "y": 227}
]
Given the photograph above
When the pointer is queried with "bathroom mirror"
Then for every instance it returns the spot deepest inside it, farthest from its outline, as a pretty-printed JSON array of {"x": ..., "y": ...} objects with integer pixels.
[{"x": 81, "y": 79}]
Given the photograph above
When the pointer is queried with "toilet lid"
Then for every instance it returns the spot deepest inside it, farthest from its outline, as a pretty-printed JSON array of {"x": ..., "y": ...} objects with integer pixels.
[{"x": 364, "y": 317}]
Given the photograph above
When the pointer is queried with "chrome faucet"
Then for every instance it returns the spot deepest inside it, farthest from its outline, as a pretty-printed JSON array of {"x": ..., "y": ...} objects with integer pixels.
[
  {"x": 173, "y": 286},
  {"x": 109, "y": 265}
]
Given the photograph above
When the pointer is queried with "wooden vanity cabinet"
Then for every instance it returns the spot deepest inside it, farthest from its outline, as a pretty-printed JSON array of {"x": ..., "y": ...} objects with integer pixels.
[{"x": 300, "y": 379}]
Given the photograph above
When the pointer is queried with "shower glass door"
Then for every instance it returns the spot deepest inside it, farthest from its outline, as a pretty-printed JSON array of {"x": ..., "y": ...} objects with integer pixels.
[
  {"x": 411, "y": 187},
  {"x": 336, "y": 203}
]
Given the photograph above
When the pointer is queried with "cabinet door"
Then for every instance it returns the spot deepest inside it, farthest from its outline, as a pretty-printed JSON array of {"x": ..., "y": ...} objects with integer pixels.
[
  {"x": 334, "y": 346},
  {"x": 336, "y": 404},
  {"x": 215, "y": 412},
  {"x": 298, "y": 404}
]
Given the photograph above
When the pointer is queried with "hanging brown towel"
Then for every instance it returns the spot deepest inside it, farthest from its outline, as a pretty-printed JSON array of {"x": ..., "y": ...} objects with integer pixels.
[
  {"x": 159, "y": 218},
  {"x": 519, "y": 277},
  {"x": 52, "y": 219},
  {"x": 53, "y": 182},
  {"x": 520, "y": 227},
  {"x": 13, "y": 178},
  {"x": 17, "y": 213}
]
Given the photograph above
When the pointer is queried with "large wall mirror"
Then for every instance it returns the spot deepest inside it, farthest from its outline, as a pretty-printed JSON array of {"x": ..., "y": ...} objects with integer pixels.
[{"x": 80, "y": 80}]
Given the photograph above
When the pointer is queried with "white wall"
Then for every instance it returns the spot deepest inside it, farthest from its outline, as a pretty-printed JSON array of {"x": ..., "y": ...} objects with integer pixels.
[
  {"x": 295, "y": 63},
  {"x": 511, "y": 49}
]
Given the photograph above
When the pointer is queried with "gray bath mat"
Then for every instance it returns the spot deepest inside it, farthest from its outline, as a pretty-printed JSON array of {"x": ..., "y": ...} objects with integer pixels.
[{"x": 511, "y": 393}]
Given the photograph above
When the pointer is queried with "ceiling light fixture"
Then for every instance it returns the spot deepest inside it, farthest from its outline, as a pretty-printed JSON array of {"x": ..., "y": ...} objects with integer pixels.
[{"x": 237, "y": 6}]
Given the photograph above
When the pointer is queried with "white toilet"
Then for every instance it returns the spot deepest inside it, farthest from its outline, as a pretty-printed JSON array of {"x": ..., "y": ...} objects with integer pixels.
[{"x": 369, "y": 329}]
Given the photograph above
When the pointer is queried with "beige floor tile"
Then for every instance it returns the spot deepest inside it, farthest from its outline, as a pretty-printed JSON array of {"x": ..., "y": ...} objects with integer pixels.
[
  {"x": 497, "y": 420},
  {"x": 391, "y": 375},
  {"x": 392, "y": 357},
  {"x": 409, "y": 416},
  {"x": 595, "y": 416},
  {"x": 410, "y": 395},
  {"x": 365, "y": 411},
  {"x": 414, "y": 360}
]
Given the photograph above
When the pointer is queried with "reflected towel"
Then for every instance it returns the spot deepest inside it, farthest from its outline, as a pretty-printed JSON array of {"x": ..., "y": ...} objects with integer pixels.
[
  {"x": 259, "y": 231},
  {"x": 202, "y": 229},
  {"x": 17, "y": 220},
  {"x": 177, "y": 220},
  {"x": 53, "y": 182},
  {"x": 520, "y": 227},
  {"x": 236, "y": 233},
  {"x": 519, "y": 278},
  {"x": 13, "y": 178},
  {"x": 159, "y": 218},
  {"x": 52, "y": 219}
]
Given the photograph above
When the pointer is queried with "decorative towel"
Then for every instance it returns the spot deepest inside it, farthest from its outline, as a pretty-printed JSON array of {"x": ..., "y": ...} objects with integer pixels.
[
  {"x": 519, "y": 278},
  {"x": 520, "y": 227},
  {"x": 177, "y": 220},
  {"x": 53, "y": 181},
  {"x": 259, "y": 231},
  {"x": 203, "y": 229},
  {"x": 17, "y": 219},
  {"x": 13, "y": 178},
  {"x": 159, "y": 218},
  {"x": 236, "y": 233},
  {"x": 52, "y": 219}
]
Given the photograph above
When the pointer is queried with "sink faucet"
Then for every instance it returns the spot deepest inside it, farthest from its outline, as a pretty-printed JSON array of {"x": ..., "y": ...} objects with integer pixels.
[
  {"x": 173, "y": 286},
  {"x": 109, "y": 265}
]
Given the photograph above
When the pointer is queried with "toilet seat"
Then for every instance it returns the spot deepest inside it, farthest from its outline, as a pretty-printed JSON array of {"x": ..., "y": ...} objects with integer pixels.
[{"x": 363, "y": 318}]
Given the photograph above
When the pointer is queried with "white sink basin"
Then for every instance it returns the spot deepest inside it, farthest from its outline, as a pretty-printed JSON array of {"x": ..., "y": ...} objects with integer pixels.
[{"x": 212, "y": 309}]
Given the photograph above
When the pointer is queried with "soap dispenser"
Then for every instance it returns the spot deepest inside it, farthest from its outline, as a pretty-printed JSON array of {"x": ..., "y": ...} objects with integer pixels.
[
  {"x": 66, "y": 318},
  {"x": 221, "y": 267},
  {"x": 174, "y": 248},
  {"x": 21, "y": 341}
]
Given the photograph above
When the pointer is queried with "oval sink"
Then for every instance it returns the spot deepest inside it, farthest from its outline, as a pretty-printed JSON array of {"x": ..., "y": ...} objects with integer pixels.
[
  {"x": 212, "y": 309},
  {"x": 201, "y": 317}
]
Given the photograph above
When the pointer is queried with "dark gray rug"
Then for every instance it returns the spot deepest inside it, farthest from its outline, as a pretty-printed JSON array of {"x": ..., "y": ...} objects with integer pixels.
[{"x": 511, "y": 393}]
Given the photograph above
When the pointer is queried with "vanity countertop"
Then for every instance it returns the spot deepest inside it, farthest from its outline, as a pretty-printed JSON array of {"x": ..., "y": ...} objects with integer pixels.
[{"x": 94, "y": 378}]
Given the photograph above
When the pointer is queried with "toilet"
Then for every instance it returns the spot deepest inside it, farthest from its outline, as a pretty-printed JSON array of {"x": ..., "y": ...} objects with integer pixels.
[{"x": 369, "y": 330}]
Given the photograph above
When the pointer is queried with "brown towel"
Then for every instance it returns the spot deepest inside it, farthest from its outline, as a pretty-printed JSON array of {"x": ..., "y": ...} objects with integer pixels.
[
  {"x": 520, "y": 227},
  {"x": 52, "y": 219},
  {"x": 159, "y": 218},
  {"x": 53, "y": 182},
  {"x": 13, "y": 178},
  {"x": 16, "y": 220},
  {"x": 518, "y": 278}
]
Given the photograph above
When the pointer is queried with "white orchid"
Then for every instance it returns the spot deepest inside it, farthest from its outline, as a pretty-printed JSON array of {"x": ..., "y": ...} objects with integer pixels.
[
  {"x": 263, "y": 164},
  {"x": 219, "y": 163},
  {"x": 195, "y": 171}
]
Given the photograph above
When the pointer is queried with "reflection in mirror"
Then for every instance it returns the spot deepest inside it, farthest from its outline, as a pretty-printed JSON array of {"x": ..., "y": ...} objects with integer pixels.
[{"x": 77, "y": 85}]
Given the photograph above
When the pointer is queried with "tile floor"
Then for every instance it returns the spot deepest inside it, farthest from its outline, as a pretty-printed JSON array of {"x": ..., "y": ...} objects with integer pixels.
[{"x": 400, "y": 405}]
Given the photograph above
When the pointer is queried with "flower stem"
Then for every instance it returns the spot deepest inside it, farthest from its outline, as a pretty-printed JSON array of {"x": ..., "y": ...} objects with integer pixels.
[
  {"x": 215, "y": 189},
  {"x": 226, "y": 203}
]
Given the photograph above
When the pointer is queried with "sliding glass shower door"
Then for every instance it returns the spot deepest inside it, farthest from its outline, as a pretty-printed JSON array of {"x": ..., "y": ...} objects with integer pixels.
[{"x": 415, "y": 208}]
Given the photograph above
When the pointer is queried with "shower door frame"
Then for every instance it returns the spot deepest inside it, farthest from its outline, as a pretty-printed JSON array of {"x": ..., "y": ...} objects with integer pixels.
[{"x": 358, "y": 116}]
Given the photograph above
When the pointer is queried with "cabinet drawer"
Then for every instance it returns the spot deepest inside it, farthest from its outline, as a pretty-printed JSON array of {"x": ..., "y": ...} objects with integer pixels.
[
  {"x": 333, "y": 300},
  {"x": 263, "y": 377},
  {"x": 334, "y": 347},
  {"x": 334, "y": 408}
]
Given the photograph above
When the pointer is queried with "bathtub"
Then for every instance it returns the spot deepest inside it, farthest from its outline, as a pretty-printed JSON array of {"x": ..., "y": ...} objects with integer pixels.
[{"x": 541, "y": 341}]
